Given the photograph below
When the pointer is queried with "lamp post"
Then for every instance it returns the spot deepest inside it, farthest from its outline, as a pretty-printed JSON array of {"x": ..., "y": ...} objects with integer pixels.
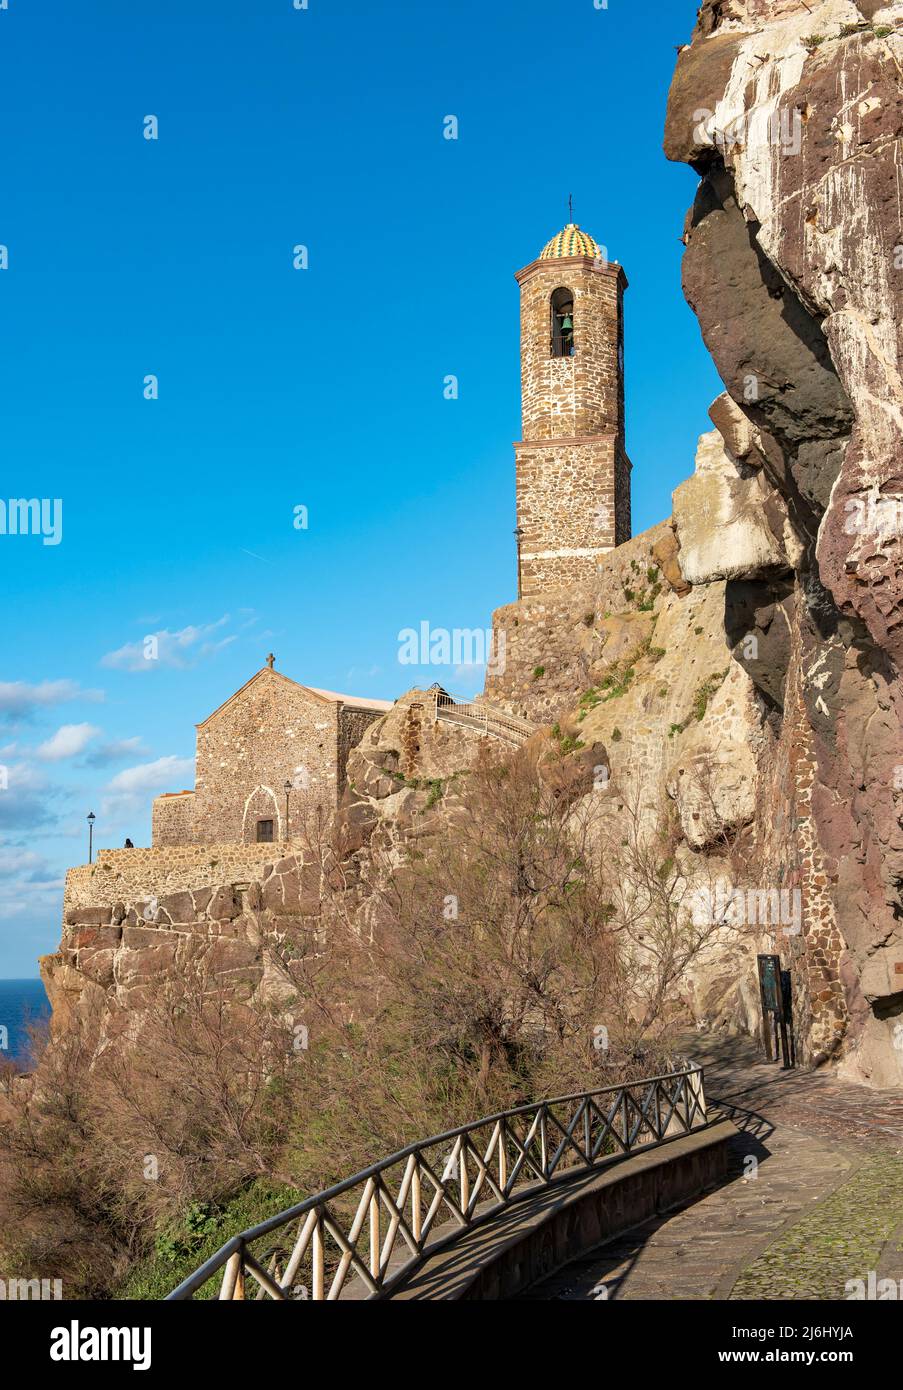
[
  {"x": 518, "y": 536},
  {"x": 286, "y": 788},
  {"x": 91, "y": 819}
]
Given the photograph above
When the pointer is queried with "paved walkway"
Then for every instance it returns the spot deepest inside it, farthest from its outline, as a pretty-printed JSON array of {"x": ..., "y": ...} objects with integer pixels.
[{"x": 815, "y": 1197}]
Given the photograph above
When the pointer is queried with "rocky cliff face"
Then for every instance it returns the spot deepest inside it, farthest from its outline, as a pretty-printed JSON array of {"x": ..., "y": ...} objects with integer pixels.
[{"x": 791, "y": 112}]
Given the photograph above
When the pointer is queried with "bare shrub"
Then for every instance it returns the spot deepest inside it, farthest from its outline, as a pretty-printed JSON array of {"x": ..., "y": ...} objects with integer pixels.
[{"x": 520, "y": 941}]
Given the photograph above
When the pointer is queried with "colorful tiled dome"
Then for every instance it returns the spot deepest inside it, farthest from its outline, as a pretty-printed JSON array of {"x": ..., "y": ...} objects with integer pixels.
[{"x": 570, "y": 242}]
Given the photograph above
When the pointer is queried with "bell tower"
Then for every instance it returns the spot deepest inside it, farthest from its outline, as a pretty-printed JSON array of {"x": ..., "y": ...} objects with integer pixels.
[{"x": 573, "y": 474}]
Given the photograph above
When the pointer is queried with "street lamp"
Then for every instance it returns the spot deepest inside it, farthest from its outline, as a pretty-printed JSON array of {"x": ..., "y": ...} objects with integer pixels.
[
  {"x": 518, "y": 536},
  {"x": 286, "y": 788},
  {"x": 91, "y": 819}
]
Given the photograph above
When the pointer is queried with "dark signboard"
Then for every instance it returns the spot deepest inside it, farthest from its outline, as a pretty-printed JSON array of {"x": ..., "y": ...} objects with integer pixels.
[
  {"x": 777, "y": 1010},
  {"x": 769, "y": 977}
]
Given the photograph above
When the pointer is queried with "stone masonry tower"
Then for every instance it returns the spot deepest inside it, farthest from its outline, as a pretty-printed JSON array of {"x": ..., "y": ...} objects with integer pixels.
[{"x": 573, "y": 474}]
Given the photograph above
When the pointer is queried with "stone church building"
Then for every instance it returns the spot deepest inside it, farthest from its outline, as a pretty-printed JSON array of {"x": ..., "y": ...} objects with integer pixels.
[
  {"x": 271, "y": 732},
  {"x": 276, "y": 749},
  {"x": 573, "y": 473}
]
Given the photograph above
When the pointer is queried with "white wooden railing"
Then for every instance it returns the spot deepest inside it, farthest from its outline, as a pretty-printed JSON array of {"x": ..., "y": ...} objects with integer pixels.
[{"x": 394, "y": 1210}]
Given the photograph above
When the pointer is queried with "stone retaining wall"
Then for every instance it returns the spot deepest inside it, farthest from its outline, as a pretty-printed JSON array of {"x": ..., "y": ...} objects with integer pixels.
[{"x": 129, "y": 876}]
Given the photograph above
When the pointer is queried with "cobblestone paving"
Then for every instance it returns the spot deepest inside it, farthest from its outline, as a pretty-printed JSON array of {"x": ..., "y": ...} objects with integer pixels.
[
  {"x": 815, "y": 1198},
  {"x": 843, "y": 1238},
  {"x": 815, "y": 1101}
]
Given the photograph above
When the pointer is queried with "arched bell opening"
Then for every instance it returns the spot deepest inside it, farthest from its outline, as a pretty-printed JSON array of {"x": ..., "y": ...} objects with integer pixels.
[{"x": 562, "y": 310}]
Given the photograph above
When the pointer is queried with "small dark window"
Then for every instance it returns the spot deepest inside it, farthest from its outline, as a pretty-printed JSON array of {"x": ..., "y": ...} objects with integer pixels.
[
  {"x": 562, "y": 305},
  {"x": 264, "y": 832}
]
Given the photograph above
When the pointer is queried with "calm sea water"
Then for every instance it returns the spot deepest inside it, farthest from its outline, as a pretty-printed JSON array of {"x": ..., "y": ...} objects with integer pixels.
[{"x": 21, "y": 1002}]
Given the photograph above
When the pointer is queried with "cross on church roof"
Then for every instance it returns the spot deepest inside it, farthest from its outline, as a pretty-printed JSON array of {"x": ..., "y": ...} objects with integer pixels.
[{"x": 271, "y": 660}]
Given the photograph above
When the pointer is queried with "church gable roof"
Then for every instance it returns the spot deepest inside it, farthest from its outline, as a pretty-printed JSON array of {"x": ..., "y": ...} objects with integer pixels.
[
  {"x": 353, "y": 701},
  {"x": 325, "y": 697}
]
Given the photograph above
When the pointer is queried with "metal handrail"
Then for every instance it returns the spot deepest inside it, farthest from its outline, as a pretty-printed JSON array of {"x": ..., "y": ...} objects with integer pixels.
[
  {"x": 488, "y": 718},
  {"x": 529, "y": 1147}
]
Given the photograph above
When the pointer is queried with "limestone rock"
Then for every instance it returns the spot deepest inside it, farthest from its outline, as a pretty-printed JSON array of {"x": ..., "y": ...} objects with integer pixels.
[
  {"x": 721, "y": 522},
  {"x": 71, "y": 993},
  {"x": 356, "y": 821},
  {"x": 408, "y": 744},
  {"x": 713, "y": 777},
  {"x": 645, "y": 719},
  {"x": 703, "y": 72},
  {"x": 570, "y": 775},
  {"x": 741, "y": 438},
  {"x": 223, "y": 904},
  {"x": 666, "y": 554},
  {"x": 622, "y": 634}
]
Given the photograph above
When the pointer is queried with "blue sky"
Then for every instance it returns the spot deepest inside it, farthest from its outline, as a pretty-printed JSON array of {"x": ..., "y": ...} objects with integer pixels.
[{"x": 278, "y": 388}]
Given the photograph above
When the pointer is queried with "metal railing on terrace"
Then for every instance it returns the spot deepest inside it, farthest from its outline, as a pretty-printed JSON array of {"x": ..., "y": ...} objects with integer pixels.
[
  {"x": 354, "y": 1237},
  {"x": 485, "y": 719}
]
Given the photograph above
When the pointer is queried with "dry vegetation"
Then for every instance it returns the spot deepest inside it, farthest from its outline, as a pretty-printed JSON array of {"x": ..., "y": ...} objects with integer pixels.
[{"x": 476, "y": 974}]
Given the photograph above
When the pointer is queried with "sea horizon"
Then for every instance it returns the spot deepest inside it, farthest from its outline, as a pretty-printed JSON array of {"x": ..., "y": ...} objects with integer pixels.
[{"x": 23, "y": 1001}]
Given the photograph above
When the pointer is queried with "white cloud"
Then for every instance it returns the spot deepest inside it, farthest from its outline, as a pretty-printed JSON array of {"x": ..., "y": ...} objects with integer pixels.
[
  {"x": 116, "y": 751},
  {"x": 18, "y": 699},
  {"x": 28, "y": 882},
  {"x": 25, "y": 864},
  {"x": 68, "y": 740},
  {"x": 148, "y": 777},
  {"x": 178, "y": 650},
  {"x": 128, "y": 793},
  {"x": 25, "y": 801}
]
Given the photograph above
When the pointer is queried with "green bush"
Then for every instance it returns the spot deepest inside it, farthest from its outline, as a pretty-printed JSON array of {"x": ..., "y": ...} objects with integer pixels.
[
  {"x": 181, "y": 1248},
  {"x": 617, "y": 682}
]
